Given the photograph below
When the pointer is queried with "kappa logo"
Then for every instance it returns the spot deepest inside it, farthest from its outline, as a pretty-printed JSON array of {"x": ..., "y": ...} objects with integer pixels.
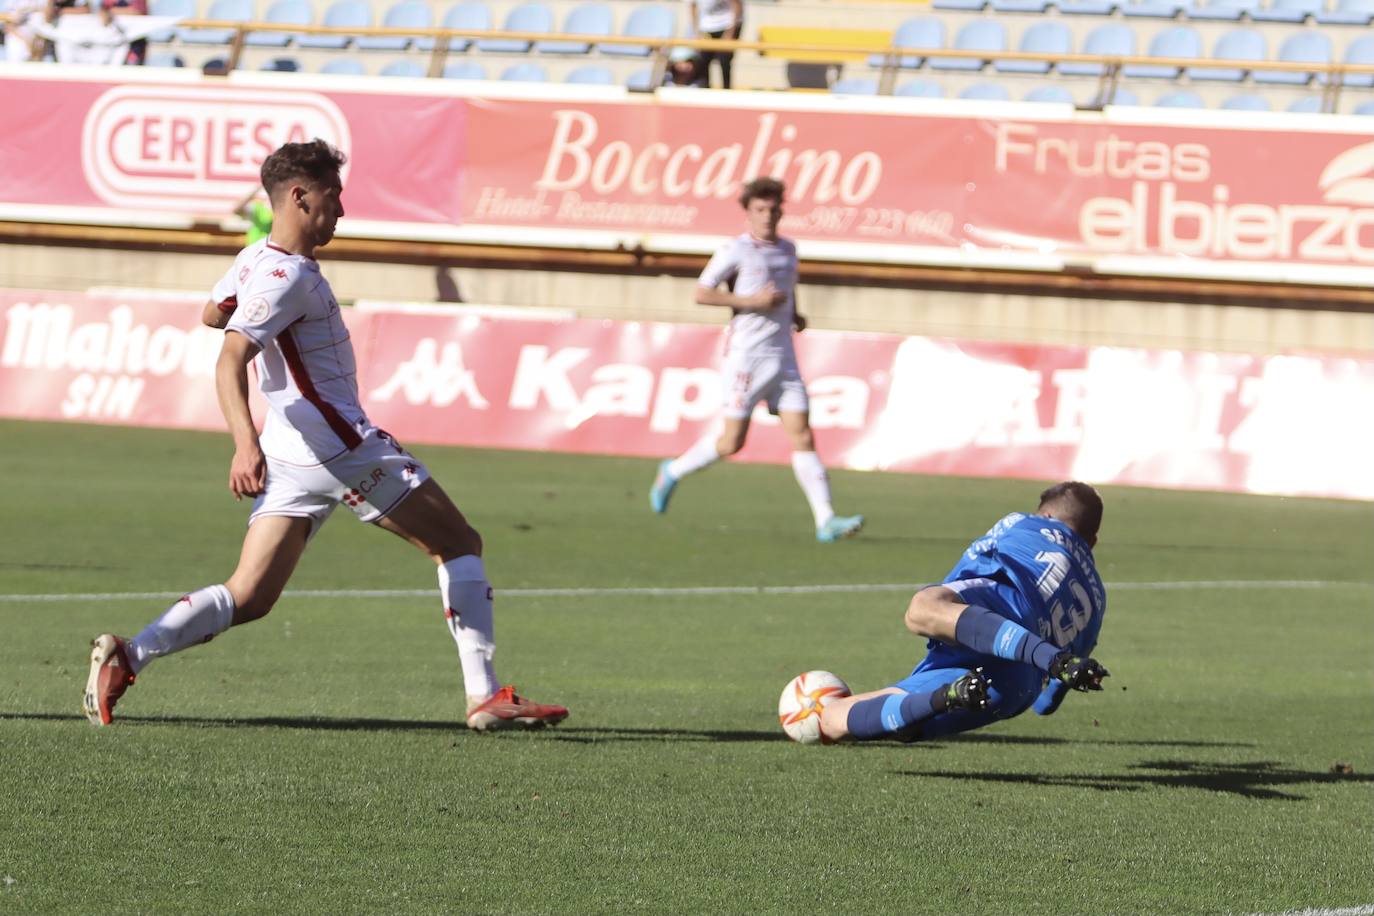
[{"x": 278, "y": 273}]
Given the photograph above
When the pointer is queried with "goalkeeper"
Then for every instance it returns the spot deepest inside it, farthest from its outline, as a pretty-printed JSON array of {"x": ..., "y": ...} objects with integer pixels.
[{"x": 1011, "y": 627}]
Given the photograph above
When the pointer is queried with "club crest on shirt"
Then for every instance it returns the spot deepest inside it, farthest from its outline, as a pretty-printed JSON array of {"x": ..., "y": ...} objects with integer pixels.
[{"x": 256, "y": 310}]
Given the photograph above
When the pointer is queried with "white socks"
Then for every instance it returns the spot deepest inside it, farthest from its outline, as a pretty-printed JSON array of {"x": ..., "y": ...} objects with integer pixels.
[
  {"x": 467, "y": 608},
  {"x": 815, "y": 483},
  {"x": 700, "y": 455},
  {"x": 194, "y": 619}
]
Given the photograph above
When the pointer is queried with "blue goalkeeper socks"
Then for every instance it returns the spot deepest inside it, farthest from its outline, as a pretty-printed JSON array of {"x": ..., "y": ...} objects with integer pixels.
[
  {"x": 988, "y": 632},
  {"x": 896, "y": 715}
]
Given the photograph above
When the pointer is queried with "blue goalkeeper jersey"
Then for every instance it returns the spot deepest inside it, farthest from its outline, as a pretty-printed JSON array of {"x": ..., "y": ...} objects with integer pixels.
[{"x": 1052, "y": 572}]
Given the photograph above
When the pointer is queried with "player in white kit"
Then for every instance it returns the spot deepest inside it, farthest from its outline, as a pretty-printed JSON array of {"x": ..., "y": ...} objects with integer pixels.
[
  {"x": 759, "y": 269},
  {"x": 317, "y": 449}
]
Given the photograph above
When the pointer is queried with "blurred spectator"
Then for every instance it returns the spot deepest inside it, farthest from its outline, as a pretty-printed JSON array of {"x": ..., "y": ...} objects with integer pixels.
[
  {"x": 215, "y": 66},
  {"x": 255, "y": 208},
  {"x": 138, "y": 48},
  {"x": 18, "y": 17},
  {"x": 686, "y": 67},
  {"x": 718, "y": 19}
]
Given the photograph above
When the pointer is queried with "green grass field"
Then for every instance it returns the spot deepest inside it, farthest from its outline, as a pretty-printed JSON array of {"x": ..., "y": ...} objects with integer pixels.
[{"x": 316, "y": 762}]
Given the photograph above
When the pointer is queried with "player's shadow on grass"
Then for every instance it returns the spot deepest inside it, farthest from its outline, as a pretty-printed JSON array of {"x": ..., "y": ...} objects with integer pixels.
[
  {"x": 979, "y": 738},
  {"x": 1262, "y": 780}
]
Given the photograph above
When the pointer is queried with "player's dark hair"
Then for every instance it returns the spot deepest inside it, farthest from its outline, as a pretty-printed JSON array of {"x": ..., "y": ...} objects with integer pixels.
[
  {"x": 1076, "y": 504},
  {"x": 769, "y": 188},
  {"x": 315, "y": 162}
]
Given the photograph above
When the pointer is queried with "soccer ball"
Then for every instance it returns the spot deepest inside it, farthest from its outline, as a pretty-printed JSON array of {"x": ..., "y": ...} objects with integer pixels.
[{"x": 799, "y": 707}]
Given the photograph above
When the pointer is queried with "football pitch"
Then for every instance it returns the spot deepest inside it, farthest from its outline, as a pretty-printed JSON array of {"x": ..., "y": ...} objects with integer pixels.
[{"x": 316, "y": 761}]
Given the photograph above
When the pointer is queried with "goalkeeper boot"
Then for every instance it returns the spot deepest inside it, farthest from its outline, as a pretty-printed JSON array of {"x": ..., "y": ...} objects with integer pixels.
[
  {"x": 110, "y": 676},
  {"x": 507, "y": 709},
  {"x": 662, "y": 490},
  {"x": 839, "y": 526},
  {"x": 969, "y": 692},
  {"x": 1079, "y": 673}
]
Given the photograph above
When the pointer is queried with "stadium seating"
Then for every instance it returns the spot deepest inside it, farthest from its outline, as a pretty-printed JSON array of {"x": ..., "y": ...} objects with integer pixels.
[
  {"x": 1247, "y": 102},
  {"x": 525, "y": 72},
  {"x": 164, "y": 59},
  {"x": 992, "y": 92},
  {"x": 1365, "y": 108},
  {"x": 921, "y": 89},
  {"x": 1049, "y": 92},
  {"x": 469, "y": 16},
  {"x": 1308, "y": 104},
  {"x": 407, "y": 68},
  {"x": 1179, "y": 41},
  {"x": 642, "y": 80},
  {"x": 1301, "y": 47},
  {"x": 1049, "y": 37},
  {"x": 182, "y": 9},
  {"x": 1287, "y": 11},
  {"x": 652, "y": 21},
  {"x": 344, "y": 66},
  {"x": 464, "y": 70},
  {"x": 1221, "y": 9},
  {"x": 1153, "y": 9},
  {"x": 1360, "y": 51},
  {"x": 854, "y": 85},
  {"x": 1237, "y": 44},
  {"x": 408, "y": 14},
  {"x": 1348, "y": 12},
  {"x": 923, "y": 33},
  {"x": 591, "y": 75},
  {"x": 226, "y": 10},
  {"x": 1181, "y": 98},
  {"x": 282, "y": 12},
  {"x": 1108, "y": 38},
  {"x": 527, "y": 17},
  {"x": 354, "y": 14},
  {"x": 587, "y": 19},
  {"x": 978, "y": 35},
  {"x": 282, "y": 65}
]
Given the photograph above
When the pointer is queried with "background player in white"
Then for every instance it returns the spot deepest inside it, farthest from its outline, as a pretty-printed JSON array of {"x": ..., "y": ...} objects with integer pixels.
[
  {"x": 317, "y": 449},
  {"x": 759, "y": 271}
]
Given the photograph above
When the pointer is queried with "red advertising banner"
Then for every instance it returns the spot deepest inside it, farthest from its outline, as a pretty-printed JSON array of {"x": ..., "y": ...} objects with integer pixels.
[
  {"x": 1255, "y": 195},
  {"x": 465, "y": 376}
]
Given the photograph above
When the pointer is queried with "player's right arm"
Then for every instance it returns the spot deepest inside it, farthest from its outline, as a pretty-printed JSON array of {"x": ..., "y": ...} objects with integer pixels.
[
  {"x": 723, "y": 268},
  {"x": 248, "y": 468}
]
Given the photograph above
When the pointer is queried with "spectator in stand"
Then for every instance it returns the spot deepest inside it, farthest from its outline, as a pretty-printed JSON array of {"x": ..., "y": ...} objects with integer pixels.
[
  {"x": 686, "y": 67},
  {"x": 138, "y": 50},
  {"x": 717, "y": 19},
  {"x": 258, "y": 212}
]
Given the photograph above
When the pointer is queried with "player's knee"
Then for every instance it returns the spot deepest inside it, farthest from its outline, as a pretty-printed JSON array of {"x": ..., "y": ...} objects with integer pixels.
[
  {"x": 920, "y": 614},
  {"x": 464, "y": 540},
  {"x": 252, "y": 603},
  {"x": 729, "y": 445}
]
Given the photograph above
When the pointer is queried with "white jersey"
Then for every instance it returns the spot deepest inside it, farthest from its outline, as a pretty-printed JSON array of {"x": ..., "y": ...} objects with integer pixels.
[
  {"x": 713, "y": 15},
  {"x": 306, "y": 368},
  {"x": 747, "y": 265}
]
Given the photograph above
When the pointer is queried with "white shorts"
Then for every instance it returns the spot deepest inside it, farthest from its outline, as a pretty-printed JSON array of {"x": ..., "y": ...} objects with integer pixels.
[
  {"x": 770, "y": 377},
  {"x": 371, "y": 479}
]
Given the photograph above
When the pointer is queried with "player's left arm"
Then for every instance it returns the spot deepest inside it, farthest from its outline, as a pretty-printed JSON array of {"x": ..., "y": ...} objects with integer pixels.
[
  {"x": 798, "y": 319},
  {"x": 217, "y": 314}
]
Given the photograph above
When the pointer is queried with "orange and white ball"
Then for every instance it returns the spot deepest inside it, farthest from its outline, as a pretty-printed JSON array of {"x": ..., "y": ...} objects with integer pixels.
[{"x": 799, "y": 707}]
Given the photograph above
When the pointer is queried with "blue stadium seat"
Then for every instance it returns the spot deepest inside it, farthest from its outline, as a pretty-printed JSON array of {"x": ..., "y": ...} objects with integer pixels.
[
  {"x": 1308, "y": 47},
  {"x": 651, "y": 21},
  {"x": 1308, "y": 104},
  {"x": 975, "y": 6},
  {"x": 283, "y": 12},
  {"x": 1048, "y": 37},
  {"x": 1087, "y": 7},
  {"x": 1020, "y": 6},
  {"x": 1050, "y": 92},
  {"x": 591, "y": 75},
  {"x": 587, "y": 19},
  {"x": 182, "y": 9},
  {"x": 225, "y": 10},
  {"x": 1112, "y": 38},
  {"x": 1179, "y": 41},
  {"x": 163, "y": 59},
  {"x": 1364, "y": 108},
  {"x": 407, "y": 14},
  {"x": 472, "y": 16},
  {"x": 1153, "y": 9},
  {"x": 641, "y": 80},
  {"x": 1230, "y": 10},
  {"x": 920, "y": 89},
  {"x": 1123, "y": 96},
  {"x": 527, "y": 17},
  {"x": 1287, "y": 11},
  {"x": 978, "y": 35},
  {"x": 1180, "y": 98},
  {"x": 352, "y": 14},
  {"x": 344, "y": 66},
  {"x": 525, "y": 72},
  {"x": 1237, "y": 44},
  {"x": 1246, "y": 102},
  {"x": 282, "y": 65},
  {"x": 991, "y": 92},
  {"x": 854, "y": 85},
  {"x": 408, "y": 68},
  {"x": 464, "y": 70},
  {"x": 1359, "y": 51},
  {"x": 921, "y": 33},
  {"x": 1348, "y": 12}
]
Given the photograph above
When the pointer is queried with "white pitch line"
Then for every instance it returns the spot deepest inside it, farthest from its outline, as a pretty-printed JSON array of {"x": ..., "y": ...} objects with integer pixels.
[
  {"x": 688, "y": 591},
  {"x": 1366, "y": 909}
]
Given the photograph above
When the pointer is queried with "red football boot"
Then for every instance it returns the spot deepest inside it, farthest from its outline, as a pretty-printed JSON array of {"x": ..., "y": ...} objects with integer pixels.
[
  {"x": 110, "y": 677},
  {"x": 506, "y": 709}
]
